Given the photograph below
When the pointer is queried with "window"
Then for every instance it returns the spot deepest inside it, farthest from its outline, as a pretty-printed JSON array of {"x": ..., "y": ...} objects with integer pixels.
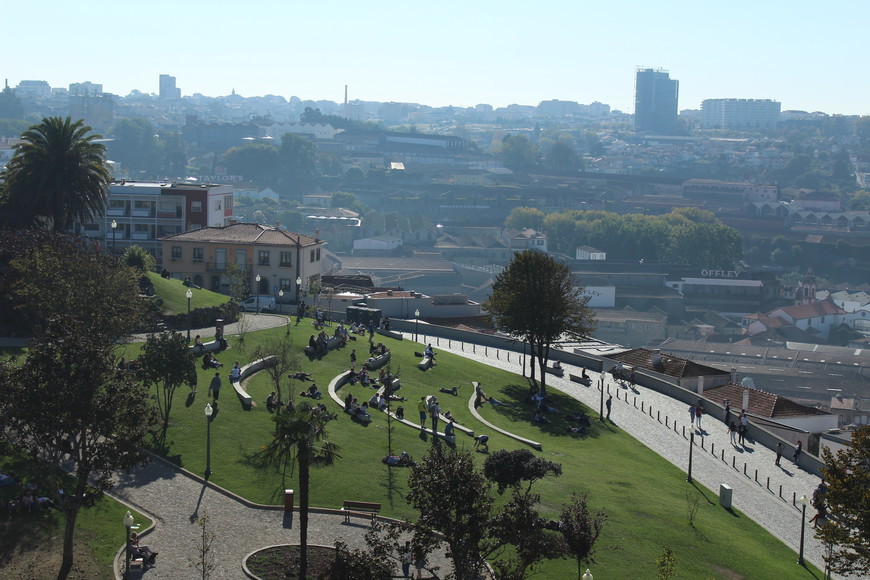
[
  {"x": 220, "y": 259},
  {"x": 242, "y": 259},
  {"x": 198, "y": 254},
  {"x": 117, "y": 204},
  {"x": 217, "y": 205},
  {"x": 286, "y": 259},
  {"x": 318, "y": 254},
  {"x": 176, "y": 252},
  {"x": 143, "y": 204},
  {"x": 312, "y": 256},
  {"x": 263, "y": 257},
  {"x": 196, "y": 207},
  {"x": 284, "y": 284}
]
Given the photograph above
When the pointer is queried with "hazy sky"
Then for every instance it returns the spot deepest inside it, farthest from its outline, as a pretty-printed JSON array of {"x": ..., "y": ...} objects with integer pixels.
[{"x": 807, "y": 55}]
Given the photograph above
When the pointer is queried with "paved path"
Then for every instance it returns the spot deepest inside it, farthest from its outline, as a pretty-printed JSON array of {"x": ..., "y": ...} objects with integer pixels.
[{"x": 775, "y": 514}]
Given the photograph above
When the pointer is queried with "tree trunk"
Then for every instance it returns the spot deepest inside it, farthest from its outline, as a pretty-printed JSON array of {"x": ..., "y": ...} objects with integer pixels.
[
  {"x": 303, "y": 511},
  {"x": 71, "y": 510}
]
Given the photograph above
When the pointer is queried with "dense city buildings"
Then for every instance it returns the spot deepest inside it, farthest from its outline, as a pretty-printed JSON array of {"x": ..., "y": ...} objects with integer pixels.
[
  {"x": 739, "y": 113},
  {"x": 655, "y": 101}
]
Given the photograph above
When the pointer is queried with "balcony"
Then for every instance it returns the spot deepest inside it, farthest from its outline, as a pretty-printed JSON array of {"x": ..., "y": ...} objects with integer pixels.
[{"x": 140, "y": 236}]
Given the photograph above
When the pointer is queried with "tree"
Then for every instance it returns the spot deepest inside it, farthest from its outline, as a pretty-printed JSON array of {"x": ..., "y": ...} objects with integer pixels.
[
  {"x": 286, "y": 361},
  {"x": 847, "y": 473},
  {"x": 580, "y": 529},
  {"x": 666, "y": 563},
  {"x": 520, "y": 538},
  {"x": 300, "y": 435},
  {"x": 562, "y": 157},
  {"x": 511, "y": 468},
  {"x": 518, "y": 154},
  {"x": 205, "y": 556},
  {"x": 139, "y": 258},
  {"x": 536, "y": 298},
  {"x": 166, "y": 364},
  {"x": 135, "y": 145},
  {"x": 257, "y": 162},
  {"x": 68, "y": 402},
  {"x": 453, "y": 499},
  {"x": 59, "y": 171},
  {"x": 525, "y": 217},
  {"x": 297, "y": 163},
  {"x": 11, "y": 106}
]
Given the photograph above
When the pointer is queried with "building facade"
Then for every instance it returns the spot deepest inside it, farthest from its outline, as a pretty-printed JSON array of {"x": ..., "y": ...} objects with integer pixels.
[
  {"x": 740, "y": 113},
  {"x": 655, "y": 101}
]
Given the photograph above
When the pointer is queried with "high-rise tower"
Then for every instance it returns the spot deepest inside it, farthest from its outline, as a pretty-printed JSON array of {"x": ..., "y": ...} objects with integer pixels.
[{"x": 655, "y": 101}]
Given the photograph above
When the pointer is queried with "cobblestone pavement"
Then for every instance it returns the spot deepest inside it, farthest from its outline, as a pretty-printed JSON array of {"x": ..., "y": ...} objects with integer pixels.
[{"x": 754, "y": 497}]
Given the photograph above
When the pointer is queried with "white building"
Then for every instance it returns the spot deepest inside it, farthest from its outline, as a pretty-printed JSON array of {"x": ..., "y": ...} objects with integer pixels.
[{"x": 590, "y": 253}]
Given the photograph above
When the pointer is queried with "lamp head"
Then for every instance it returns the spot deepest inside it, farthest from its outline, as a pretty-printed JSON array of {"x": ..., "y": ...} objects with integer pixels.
[
  {"x": 189, "y": 294},
  {"x": 114, "y": 224},
  {"x": 804, "y": 501},
  {"x": 299, "y": 280},
  {"x": 587, "y": 575},
  {"x": 128, "y": 519},
  {"x": 257, "y": 278},
  {"x": 417, "y": 313},
  {"x": 281, "y": 292},
  {"x": 208, "y": 410}
]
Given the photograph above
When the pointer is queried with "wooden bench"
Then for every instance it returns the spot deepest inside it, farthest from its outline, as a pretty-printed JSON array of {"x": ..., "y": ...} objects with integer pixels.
[{"x": 361, "y": 508}]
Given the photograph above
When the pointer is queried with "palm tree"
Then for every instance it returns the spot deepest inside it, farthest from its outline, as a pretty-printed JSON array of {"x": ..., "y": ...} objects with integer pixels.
[
  {"x": 300, "y": 434},
  {"x": 58, "y": 171}
]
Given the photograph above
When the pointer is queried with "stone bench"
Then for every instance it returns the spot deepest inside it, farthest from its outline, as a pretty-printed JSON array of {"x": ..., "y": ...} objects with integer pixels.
[
  {"x": 391, "y": 334},
  {"x": 378, "y": 362},
  {"x": 247, "y": 371},
  {"x": 425, "y": 363},
  {"x": 213, "y": 346},
  {"x": 529, "y": 442},
  {"x": 331, "y": 344}
]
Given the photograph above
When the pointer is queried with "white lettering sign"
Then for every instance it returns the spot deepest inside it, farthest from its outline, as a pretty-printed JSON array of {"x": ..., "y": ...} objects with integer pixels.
[{"x": 720, "y": 273}]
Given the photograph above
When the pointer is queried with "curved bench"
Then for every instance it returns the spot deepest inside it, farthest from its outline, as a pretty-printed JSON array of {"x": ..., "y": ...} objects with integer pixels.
[
  {"x": 247, "y": 371},
  {"x": 340, "y": 380},
  {"x": 378, "y": 362},
  {"x": 213, "y": 346},
  {"x": 529, "y": 442}
]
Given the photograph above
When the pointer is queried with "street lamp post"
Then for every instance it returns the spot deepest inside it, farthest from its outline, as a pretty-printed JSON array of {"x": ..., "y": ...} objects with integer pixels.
[
  {"x": 281, "y": 295},
  {"x": 258, "y": 293},
  {"x": 803, "y": 501},
  {"x": 691, "y": 446},
  {"x": 114, "y": 227},
  {"x": 128, "y": 523},
  {"x": 416, "y": 322},
  {"x": 208, "y": 413},
  {"x": 601, "y": 388},
  {"x": 189, "y": 296},
  {"x": 298, "y": 288}
]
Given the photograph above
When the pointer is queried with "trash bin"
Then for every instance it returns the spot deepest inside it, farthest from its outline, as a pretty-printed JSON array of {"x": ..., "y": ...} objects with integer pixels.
[
  {"x": 724, "y": 496},
  {"x": 288, "y": 501}
]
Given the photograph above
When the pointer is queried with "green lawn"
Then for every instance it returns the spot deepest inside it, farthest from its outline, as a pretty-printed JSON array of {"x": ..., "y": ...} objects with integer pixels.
[
  {"x": 644, "y": 496},
  {"x": 174, "y": 295}
]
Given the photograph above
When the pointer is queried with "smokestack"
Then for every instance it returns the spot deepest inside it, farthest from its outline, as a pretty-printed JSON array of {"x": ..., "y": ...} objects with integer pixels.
[
  {"x": 700, "y": 386},
  {"x": 277, "y": 225},
  {"x": 345, "y": 95},
  {"x": 745, "y": 399},
  {"x": 317, "y": 235},
  {"x": 733, "y": 375}
]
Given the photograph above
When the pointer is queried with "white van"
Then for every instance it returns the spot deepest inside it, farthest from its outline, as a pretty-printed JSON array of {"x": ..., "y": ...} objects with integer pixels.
[{"x": 267, "y": 304}]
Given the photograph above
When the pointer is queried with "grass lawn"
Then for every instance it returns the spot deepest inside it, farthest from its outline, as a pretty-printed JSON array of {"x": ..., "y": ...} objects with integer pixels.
[
  {"x": 644, "y": 496},
  {"x": 174, "y": 295},
  {"x": 37, "y": 536}
]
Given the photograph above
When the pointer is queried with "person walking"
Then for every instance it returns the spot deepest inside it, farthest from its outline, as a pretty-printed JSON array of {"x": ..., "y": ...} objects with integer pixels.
[
  {"x": 692, "y": 414},
  {"x": 727, "y": 418},
  {"x": 797, "y": 451},
  {"x": 434, "y": 413},
  {"x": 778, "y": 454},
  {"x": 732, "y": 429},
  {"x": 744, "y": 427},
  {"x": 607, "y": 404},
  {"x": 215, "y": 386},
  {"x": 407, "y": 558},
  {"x": 699, "y": 410}
]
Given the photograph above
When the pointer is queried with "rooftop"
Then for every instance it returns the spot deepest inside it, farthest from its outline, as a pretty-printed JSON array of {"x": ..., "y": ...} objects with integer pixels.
[
  {"x": 670, "y": 365},
  {"x": 761, "y": 403}
]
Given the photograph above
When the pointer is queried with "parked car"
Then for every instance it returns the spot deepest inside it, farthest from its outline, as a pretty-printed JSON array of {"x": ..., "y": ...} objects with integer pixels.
[{"x": 267, "y": 304}]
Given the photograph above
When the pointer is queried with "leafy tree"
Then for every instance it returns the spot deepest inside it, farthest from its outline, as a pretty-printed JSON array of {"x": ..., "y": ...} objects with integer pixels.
[
  {"x": 67, "y": 401},
  {"x": 847, "y": 473},
  {"x": 166, "y": 364},
  {"x": 519, "y": 538},
  {"x": 12, "y": 127},
  {"x": 135, "y": 145},
  {"x": 562, "y": 157},
  {"x": 525, "y": 217},
  {"x": 139, "y": 258},
  {"x": 356, "y": 564},
  {"x": 300, "y": 435},
  {"x": 594, "y": 144},
  {"x": 511, "y": 468},
  {"x": 580, "y": 529},
  {"x": 297, "y": 163},
  {"x": 453, "y": 499},
  {"x": 286, "y": 361},
  {"x": 537, "y": 299},
  {"x": 666, "y": 563},
  {"x": 59, "y": 171},
  {"x": 258, "y": 162},
  {"x": 11, "y": 106},
  {"x": 518, "y": 153}
]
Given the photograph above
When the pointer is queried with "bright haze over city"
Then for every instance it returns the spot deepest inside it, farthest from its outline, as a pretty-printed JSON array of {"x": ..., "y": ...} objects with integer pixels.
[{"x": 804, "y": 54}]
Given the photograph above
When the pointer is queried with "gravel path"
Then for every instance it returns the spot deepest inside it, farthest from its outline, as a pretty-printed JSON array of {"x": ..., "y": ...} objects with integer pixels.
[{"x": 763, "y": 505}]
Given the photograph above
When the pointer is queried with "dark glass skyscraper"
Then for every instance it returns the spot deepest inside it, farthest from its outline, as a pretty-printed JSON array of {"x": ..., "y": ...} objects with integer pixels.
[{"x": 655, "y": 101}]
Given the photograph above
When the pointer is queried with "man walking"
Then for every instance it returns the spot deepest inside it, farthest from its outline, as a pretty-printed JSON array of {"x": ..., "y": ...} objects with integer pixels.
[
  {"x": 699, "y": 410},
  {"x": 215, "y": 386},
  {"x": 778, "y": 453},
  {"x": 692, "y": 414},
  {"x": 797, "y": 451},
  {"x": 607, "y": 404},
  {"x": 421, "y": 407}
]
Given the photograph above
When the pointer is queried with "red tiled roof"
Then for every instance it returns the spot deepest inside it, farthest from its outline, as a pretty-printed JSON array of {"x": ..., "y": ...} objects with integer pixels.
[
  {"x": 803, "y": 311},
  {"x": 243, "y": 233},
  {"x": 761, "y": 403},
  {"x": 671, "y": 365}
]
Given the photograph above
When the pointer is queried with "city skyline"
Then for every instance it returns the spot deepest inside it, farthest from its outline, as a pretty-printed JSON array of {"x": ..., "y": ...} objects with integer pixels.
[{"x": 498, "y": 53}]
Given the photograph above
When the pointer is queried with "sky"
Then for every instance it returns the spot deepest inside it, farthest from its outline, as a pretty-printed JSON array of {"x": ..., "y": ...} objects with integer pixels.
[{"x": 807, "y": 55}]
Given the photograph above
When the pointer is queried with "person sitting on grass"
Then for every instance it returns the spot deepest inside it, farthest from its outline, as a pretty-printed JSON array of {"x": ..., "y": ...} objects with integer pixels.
[
  {"x": 272, "y": 403},
  {"x": 312, "y": 392},
  {"x": 210, "y": 362},
  {"x": 400, "y": 413}
]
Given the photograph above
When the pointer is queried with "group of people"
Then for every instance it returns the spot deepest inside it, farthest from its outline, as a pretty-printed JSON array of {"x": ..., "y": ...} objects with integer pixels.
[
  {"x": 318, "y": 345},
  {"x": 210, "y": 362},
  {"x": 28, "y": 498},
  {"x": 696, "y": 411}
]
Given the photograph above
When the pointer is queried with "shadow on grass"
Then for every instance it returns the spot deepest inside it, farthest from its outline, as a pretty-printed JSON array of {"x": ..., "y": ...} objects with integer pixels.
[
  {"x": 702, "y": 493},
  {"x": 519, "y": 411},
  {"x": 25, "y": 531}
]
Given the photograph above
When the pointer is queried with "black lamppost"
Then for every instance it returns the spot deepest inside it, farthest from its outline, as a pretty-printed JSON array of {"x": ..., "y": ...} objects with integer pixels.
[
  {"x": 416, "y": 322},
  {"x": 114, "y": 227},
  {"x": 524, "y": 358},
  {"x": 803, "y": 501},
  {"x": 601, "y": 388},
  {"x": 128, "y": 523},
  {"x": 208, "y": 414},
  {"x": 189, "y": 296},
  {"x": 691, "y": 445},
  {"x": 298, "y": 288},
  {"x": 281, "y": 296},
  {"x": 258, "y": 293}
]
